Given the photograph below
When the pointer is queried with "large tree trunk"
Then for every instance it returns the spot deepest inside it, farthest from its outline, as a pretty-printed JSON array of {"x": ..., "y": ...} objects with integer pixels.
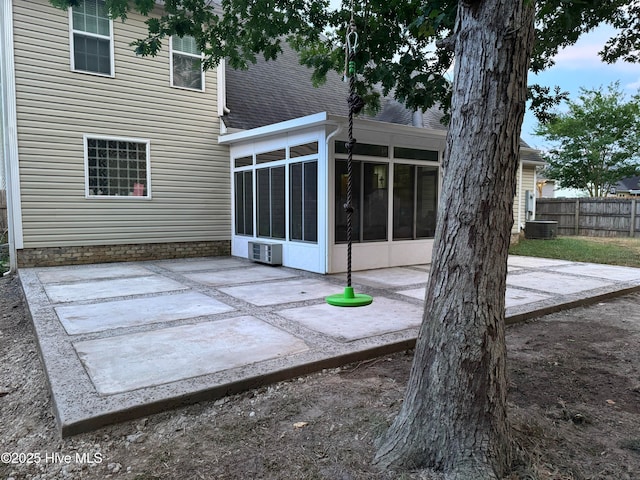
[{"x": 454, "y": 415}]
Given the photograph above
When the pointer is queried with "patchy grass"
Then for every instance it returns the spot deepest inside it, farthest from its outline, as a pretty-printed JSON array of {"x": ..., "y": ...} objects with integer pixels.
[{"x": 611, "y": 251}]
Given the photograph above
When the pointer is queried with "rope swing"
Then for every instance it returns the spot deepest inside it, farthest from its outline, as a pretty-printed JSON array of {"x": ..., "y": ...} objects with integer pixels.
[{"x": 349, "y": 298}]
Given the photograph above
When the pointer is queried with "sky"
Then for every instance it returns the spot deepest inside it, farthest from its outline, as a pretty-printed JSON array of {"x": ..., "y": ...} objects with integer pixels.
[{"x": 580, "y": 66}]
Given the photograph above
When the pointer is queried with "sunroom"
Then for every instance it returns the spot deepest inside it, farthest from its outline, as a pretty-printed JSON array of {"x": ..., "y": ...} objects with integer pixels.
[{"x": 289, "y": 186}]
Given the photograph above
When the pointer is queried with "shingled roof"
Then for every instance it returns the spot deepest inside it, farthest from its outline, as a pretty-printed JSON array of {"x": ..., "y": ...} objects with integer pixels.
[
  {"x": 628, "y": 184},
  {"x": 276, "y": 91}
]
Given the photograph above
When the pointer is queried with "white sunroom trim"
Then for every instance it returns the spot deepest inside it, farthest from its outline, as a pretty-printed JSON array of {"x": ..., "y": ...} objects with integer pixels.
[
  {"x": 323, "y": 118},
  {"x": 297, "y": 253},
  {"x": 9, "y": 119},
  {"x": 72, "y": 57},
  {"x": 256, "y": 134}
]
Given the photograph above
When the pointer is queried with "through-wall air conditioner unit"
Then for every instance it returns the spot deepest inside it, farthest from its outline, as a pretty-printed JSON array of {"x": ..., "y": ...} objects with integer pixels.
[{"x": 270, "y": 253}]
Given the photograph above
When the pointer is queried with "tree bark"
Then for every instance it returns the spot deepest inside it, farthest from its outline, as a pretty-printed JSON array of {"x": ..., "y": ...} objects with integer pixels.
[{"x": 454, "y": 415}]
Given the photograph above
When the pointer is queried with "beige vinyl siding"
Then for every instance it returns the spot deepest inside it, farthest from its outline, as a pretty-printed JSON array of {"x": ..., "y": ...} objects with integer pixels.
[
  {"x": 528, "y": 184},
  {"x": 526, "y": 181},
  {"x": 190, "y": 184}
]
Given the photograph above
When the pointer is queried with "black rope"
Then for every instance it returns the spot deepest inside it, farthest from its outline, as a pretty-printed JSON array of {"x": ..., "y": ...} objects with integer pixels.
[
  {"x": 355, "y": 105},
  {"x": 350, "y": 145}
]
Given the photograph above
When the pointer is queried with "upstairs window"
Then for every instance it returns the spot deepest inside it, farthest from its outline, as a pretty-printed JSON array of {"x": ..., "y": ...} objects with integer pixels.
[
  {"x": 91, "y": 38},
  {"x": 186, "y": 64}
]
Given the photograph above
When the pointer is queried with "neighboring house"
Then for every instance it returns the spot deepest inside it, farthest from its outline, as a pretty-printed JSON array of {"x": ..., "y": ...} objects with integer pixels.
[
  {"x": 117, "y": 157},
  {"x": 545, "y": 187},
  {"x": 626, "y": 188}
]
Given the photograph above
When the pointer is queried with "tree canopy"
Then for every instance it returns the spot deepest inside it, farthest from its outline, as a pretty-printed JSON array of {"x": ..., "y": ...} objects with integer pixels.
[
  {"x": 596, "y": 142},
  {"x": 405, "y": 46}
]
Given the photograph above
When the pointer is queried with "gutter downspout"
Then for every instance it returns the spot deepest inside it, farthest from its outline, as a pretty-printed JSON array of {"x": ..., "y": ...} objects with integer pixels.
[
  {"x": 521, "y": 225},
  {"x": 8, "y": 117},
  {"x": 221, "y": 81},
  {"x": 328, "y": 139}
]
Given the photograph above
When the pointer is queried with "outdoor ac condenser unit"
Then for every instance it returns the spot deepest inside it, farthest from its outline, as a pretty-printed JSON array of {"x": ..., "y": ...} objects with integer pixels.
[
  {"x": 541, "y": 229},
  {"x": 270, "y": 253}
]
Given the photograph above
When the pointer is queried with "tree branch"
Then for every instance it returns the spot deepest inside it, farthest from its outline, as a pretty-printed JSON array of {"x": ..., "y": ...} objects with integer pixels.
[{"x": 448, "y": 44}]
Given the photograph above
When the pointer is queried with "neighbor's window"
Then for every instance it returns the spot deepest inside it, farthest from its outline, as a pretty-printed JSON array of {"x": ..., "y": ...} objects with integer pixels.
[
  {"x": 117, "y": 167},
  {"x": 186, "y": 63},
  {"x": 91, "y": 38}
]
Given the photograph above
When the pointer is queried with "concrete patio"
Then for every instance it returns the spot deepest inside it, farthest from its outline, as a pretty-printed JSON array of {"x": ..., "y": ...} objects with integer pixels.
[{"x": 125, "y": 340}]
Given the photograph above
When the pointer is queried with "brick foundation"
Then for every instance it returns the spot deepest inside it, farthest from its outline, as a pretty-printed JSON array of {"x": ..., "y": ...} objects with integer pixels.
[{"x": 78, "y": 255}]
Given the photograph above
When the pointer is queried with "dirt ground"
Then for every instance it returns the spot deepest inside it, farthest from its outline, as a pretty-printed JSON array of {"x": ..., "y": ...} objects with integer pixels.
[{"x": 574, "y": 406}]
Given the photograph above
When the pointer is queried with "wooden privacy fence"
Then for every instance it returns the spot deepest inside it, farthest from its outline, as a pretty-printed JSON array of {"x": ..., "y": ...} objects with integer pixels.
[{"x": 592, "y": 217}]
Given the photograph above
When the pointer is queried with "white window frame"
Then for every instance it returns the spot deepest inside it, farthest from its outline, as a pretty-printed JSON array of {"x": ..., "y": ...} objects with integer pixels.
[
  {"x": 72, "y": 58},
  {"x": 87, "y": 193},
  {"x": 186, "y": 54}
]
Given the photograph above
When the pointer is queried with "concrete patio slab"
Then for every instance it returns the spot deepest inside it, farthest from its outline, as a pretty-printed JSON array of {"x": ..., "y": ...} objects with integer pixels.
[
  {"x": 555, "y": 283},
  {"x": 244, "y": 275},
  {"x": 102, "y": 316},
  {"x": 162, "y": 356},
  {"x": 513, "y": 296},
  {"x": 188, "y": 265},
  {"x": 516, "y": 296},
  {"x": 534, "y": 262},
  {"x": 348, "y": 324},
  {"x": 276, "y": 293},
  {"x": 390, "y": 277},
  {"x": 92, "y": 290},
  {"x": 417, "y": 293},
  {"x": 96, "y": 272},
  {"x": 120, "y": 341},
  {"x": 609, "y": 272}
]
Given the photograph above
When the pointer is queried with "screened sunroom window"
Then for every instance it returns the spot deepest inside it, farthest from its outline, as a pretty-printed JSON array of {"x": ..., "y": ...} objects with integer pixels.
[
  {"x": 186, "y": 63},
  {"x": 271, "y": 202},
  {"x": 91, "y": 37},
  {"x": 415, "y": 199},
  {"x": 117, "y": 168},
  {"x": 303, "y": 199},
  {"x": 244, "y": 202},
  {"x": 369, "y": 198}
]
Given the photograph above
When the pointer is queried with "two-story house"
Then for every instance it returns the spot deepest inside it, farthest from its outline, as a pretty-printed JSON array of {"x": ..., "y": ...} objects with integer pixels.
[
  {"x": 113, "y": 156},
  {"x": 117, "y": 157}
]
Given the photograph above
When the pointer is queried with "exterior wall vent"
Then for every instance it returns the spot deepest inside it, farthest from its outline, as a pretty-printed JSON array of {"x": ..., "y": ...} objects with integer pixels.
[
  {"x": 541, "y": 230},
  {"x": 270, "y": 253}
]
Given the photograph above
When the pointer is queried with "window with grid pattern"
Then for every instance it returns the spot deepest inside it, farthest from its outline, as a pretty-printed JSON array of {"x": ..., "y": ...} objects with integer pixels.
[
  {"x": 91, "y": 38},
  {"x": 117, "y": 168},
  {"x": 186, "y": 64}
]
